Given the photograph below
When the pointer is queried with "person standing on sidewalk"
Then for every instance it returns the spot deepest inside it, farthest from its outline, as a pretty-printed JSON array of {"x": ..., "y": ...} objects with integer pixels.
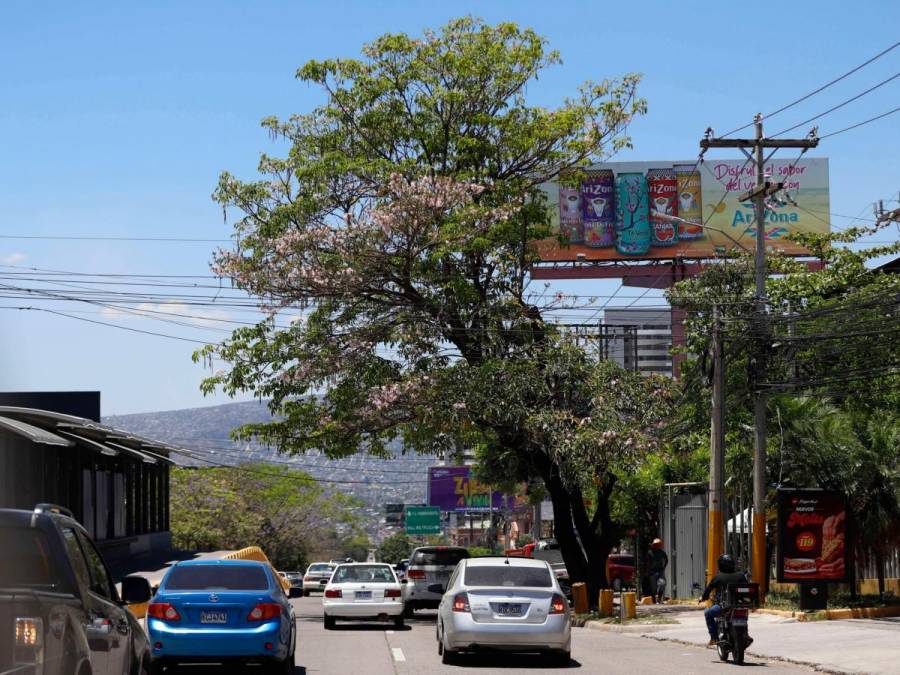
[{"x": 657, "y": 561}]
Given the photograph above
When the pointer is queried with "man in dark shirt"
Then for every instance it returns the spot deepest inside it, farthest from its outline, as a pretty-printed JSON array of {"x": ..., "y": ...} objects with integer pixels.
[
  {"x": 726, "y": 575},
  {"x": 657, "y": 561}
]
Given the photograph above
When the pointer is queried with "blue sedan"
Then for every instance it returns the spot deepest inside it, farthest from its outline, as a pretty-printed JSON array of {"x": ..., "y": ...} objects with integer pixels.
[{"x": 223, "y": 611}]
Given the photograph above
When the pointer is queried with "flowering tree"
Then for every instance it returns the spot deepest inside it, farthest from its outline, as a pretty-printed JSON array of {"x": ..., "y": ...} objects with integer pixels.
[{"x": 400, "y": 221}]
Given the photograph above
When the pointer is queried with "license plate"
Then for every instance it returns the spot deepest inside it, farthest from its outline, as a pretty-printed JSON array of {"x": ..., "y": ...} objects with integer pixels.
[
  {"x": 363, "y": 595},
  {"x": 323, "y": 582},
  {"x": 213, "y": 617},
  {"x": 739, "y": 622},
  {"x": 509, "y": 609}
]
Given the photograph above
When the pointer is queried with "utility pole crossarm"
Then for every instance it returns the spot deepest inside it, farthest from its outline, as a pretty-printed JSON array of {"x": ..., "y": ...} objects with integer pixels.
[{"x": 806, "y": 143}]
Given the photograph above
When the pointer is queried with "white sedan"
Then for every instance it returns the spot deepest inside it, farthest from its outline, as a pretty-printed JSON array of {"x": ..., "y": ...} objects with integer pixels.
[
  {"x": 363, "y": 591},
  {"x": 510, "y": 604}
]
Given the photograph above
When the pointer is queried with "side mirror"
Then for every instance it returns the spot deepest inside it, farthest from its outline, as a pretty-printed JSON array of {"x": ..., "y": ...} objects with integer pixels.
[
  {"x": 436, "y": 588},
  {"x": 135, "y": 590}
]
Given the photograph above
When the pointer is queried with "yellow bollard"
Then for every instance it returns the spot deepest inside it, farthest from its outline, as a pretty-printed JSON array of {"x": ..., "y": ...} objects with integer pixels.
[
  {"x": 606, "y": 602},
  {"x": 628, "y": 603},
  {"x": 579, "y": 595}
]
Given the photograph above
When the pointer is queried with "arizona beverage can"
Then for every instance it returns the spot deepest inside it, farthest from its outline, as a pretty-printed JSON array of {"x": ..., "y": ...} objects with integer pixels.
[
  {"x": 632, "y": 214},
  {"x": 690, "y": 206},
  {"x": 662, "y": 186},
  {"x": 571, "y": 226},
  {"x": 598, "y": 208}
]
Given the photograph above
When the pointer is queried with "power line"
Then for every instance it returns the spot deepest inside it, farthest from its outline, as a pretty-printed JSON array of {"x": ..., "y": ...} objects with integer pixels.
[
  {"x": 816, "y": 91},
  {"x": 859, "y": 124},
  {"x": 839, "y": 105}
]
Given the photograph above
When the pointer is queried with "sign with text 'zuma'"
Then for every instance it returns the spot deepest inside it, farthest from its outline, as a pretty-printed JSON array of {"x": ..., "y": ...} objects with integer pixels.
[
  {"x": 454, "y": 488},
  {"x": 625, "y": 210}
]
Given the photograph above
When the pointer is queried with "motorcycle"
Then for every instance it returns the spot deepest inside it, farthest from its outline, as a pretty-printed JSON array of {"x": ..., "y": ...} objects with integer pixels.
[{"x": 736, "y": 604}]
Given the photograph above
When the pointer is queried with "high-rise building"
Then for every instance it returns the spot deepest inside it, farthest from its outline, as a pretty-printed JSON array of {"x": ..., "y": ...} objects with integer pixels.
[{"x": 640, "y": 339}]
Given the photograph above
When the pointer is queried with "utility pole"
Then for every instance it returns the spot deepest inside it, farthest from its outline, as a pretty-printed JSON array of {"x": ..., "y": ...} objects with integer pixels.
[
  {"x": 758, "y": 194},
  {"x": 715, "y": 544}
]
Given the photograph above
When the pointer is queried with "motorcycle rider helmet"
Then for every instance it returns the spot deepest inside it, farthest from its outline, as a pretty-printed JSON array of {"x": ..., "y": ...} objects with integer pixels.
[{"x": 726, "y": 563}]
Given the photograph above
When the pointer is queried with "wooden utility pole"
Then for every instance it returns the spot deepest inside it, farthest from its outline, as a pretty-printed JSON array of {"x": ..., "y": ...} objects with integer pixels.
[
  {"x": 759, "y": 194},
  {"x": 715, "y": 543}
]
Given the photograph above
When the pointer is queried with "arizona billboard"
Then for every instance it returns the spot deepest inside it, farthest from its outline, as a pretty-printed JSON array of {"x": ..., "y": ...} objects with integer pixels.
[{"x": 624, "y": 210}]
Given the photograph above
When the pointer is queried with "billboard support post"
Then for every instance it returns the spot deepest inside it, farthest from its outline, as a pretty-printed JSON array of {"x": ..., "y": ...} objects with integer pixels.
[
  {"x": 758, "y": 194},
  {"x": 715, "y": 523}
]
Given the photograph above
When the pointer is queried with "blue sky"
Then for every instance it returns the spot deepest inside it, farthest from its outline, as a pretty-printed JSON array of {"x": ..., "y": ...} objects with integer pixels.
[{"x": 116, "y": 119}]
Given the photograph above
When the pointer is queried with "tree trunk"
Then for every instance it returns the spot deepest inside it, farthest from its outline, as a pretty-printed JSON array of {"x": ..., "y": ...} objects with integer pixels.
[{"x": 879, "y": 570}]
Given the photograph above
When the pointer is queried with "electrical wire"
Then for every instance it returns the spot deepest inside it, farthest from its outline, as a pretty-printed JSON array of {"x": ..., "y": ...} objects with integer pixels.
[{"x": 859, "y": 124}]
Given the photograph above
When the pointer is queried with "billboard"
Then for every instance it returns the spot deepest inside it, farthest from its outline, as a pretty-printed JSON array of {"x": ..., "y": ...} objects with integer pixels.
[
  {"x": 812, "y": 536},
  {"x": 453, "y": 488},
  {"x": 623, "y": 210}
]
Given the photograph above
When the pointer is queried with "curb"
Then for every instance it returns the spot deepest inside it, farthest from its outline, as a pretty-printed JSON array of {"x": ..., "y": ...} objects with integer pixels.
[
  {"x": 815, "y": 666},
  {"x": 633, "y": 628},
  {"x": 836, "y": 614}
]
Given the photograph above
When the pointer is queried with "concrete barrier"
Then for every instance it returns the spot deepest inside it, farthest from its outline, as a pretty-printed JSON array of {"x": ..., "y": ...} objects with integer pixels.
[{"x": 580, "y": 597}]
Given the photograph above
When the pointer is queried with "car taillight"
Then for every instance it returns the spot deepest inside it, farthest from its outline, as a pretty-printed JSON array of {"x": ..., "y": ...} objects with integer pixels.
[
  {"x": 558, "y": 604},
  {"x": 390, "y": 593},
  {"x": 163, "y": 611},
  {"x": 461, "y": 603},
  {"x": 29, "y": 632},
  {"x": 741, "y": 613},
  {"x": 264, "y": 611},
  {"x": 416, "y": 574},
  {"x": 333, "y": 593}
]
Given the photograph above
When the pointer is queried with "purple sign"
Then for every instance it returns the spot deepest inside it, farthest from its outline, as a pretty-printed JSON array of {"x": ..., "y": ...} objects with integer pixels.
[{"x": 453, "y": 488}]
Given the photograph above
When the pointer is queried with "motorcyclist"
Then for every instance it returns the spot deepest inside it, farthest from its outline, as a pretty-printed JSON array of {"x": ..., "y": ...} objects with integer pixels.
[{"x": 726, "y": 575}]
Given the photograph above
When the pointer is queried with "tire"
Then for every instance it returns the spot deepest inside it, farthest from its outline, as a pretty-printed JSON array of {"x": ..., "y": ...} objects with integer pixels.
[
  {"x": 329, "y": 622},
  {"x": 409, "y": 611},
  {"x": 739, "y": 641},
  {"x": 449, "y": 656},
  {"x": 399, "y": 622},
  {"x": 283, "y": 667},
  {"x": 440, "y": 642},
  {"x": 157, "y": 667},
  {"x": 617, "y": 585},
  {"x": 722, "y": 649},
  {"x": 305, "y": 594}
]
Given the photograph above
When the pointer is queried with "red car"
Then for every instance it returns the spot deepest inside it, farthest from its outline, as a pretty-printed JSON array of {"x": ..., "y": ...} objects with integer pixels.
[{"x": 620, "y": 570}]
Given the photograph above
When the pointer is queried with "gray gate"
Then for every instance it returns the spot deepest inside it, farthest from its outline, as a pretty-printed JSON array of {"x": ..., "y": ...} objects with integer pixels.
[{"x": 683, "y": 524}]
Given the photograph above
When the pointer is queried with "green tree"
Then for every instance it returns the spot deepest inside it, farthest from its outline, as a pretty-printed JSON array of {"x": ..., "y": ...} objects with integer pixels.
[
  {"x": 401, "y": 219},
  {"x": 395, "y": 548},
  {"x": 282, "y": 510}
]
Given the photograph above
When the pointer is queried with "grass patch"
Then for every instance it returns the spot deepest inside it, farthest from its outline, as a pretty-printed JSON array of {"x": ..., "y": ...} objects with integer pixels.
[
  {"x": 579, "y": 620},
  {"x": 836, "y": 600}
]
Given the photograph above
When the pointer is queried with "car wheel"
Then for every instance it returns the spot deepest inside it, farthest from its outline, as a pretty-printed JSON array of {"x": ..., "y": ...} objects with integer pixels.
[
  {"x": 398, "y": 621},
  {"x": 157, "y": 667},
  {"x": 409, "y": 611},
  {"x": 305, "y": 594},
  {"x": 440, "y": 642},
  {"x": 329, "y": 622}
]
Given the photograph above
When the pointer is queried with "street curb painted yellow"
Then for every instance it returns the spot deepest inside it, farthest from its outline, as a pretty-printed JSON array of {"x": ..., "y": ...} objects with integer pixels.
[{"x": 836, "y": 614}]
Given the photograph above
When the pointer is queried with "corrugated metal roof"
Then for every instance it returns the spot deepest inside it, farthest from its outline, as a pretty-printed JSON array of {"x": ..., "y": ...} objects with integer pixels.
[{"x": 33, "y": 433}]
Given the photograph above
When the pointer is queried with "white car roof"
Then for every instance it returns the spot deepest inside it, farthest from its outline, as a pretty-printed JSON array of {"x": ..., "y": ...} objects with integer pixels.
[{"x": 500, "y": 560}]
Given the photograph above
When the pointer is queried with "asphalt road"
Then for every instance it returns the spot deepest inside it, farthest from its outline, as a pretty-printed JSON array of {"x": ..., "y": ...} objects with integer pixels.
[{"x": 379, "y": 649}]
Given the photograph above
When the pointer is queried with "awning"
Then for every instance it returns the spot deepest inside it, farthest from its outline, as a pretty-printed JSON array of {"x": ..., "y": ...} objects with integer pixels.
[
  {"x": 33, "y": 433},
  {"x": 91, "y": 443}
]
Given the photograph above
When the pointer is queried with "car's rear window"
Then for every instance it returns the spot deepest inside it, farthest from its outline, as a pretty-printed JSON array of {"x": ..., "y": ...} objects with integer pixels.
[
  {"x": 439, "y": 557},
  {"x": 362, "y": 573},
  {"x": 321, "y": 567},
  {"x": 217, "y": 577},
  {"x": 508, "y": 576},
  {"x": 26, "y": 560}
]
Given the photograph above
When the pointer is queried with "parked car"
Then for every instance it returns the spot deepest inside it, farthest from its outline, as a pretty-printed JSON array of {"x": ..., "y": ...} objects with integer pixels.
[
  {"x": 429, "y": 566},
  {"x": 509, "y": 604},
  {"x": 223, "y": 611},
  {"x": 401, "y": 567},
  {"x": 620, "y": 570},
  {"x": 59, "y": 608},
  {"x": 317, "y": 576},
  {"x": 295, "y": 579},
  {"x": 363, "y": 591}
]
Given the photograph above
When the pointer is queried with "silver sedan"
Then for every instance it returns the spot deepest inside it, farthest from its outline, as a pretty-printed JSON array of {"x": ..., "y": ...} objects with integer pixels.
[{"x": 508, "y": 604}]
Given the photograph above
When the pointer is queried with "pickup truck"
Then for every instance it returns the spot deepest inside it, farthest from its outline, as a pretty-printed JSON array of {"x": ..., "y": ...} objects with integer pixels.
[{"x": 60, "y": 613}]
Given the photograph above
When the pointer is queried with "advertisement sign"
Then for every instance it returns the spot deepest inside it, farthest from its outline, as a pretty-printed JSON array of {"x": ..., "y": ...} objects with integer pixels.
[
  {"x": 812, "y": 536},
  {"x": 423, "y": 520},
  {"x": 623, "y": 210},
  {"x": 453, "y": 488}
]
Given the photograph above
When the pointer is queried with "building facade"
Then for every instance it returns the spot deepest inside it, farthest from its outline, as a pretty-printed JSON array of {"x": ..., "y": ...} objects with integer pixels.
[{"x": 640, "y": 339}]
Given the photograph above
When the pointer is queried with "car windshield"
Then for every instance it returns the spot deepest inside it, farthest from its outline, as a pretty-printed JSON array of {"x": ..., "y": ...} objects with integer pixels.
[
  {"x": 217, "y": 577},
  {"x": 508, "y": 576},
  {"x": 26, "y": 561},
  {"x": 321, "y": 567},
  {"x": 439, "y": 557},
  {"x": 371, "y": 573}
]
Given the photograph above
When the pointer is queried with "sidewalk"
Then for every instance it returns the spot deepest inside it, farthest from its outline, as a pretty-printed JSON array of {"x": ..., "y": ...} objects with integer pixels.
[{"x": 853, "y": 646}]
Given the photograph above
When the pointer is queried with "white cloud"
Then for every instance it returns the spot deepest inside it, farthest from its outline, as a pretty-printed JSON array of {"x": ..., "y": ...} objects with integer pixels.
[
  {"x": 12, "y": 258},
  {"x": 196, "y": 316}
]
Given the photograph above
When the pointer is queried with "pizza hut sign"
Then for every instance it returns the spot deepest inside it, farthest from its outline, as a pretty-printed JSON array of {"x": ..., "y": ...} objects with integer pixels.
[{"x": 812, "y": 536}]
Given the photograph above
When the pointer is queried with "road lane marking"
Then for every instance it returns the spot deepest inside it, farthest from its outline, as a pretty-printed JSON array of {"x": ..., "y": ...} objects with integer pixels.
[
  {"x": 398, "y": 654},
  {"x": 389, "y": 632}
]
